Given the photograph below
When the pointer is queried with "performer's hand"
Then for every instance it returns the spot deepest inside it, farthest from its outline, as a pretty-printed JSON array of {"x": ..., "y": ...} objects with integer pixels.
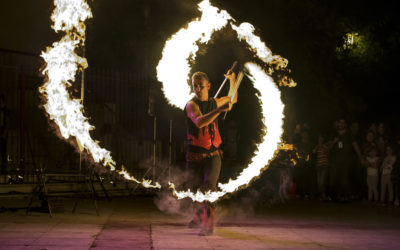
[
  {"x": 231, "y": 76},
  {"x": 226, "y": 107}
]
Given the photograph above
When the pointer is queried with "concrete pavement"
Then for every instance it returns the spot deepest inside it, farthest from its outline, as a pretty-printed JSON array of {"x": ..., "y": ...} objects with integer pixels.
[{"x": 136, "y": 223}]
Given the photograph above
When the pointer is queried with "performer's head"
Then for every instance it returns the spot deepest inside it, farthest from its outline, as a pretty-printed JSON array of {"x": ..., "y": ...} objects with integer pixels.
[{"x": 201, "y": 85}]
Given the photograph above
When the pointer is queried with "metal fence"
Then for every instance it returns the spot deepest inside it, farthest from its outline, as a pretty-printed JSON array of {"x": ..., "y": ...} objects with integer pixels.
[{"x": 116, "y": 103}]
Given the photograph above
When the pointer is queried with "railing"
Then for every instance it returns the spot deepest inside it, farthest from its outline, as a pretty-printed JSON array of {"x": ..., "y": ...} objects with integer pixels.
[{"x": 116, "y": 102}]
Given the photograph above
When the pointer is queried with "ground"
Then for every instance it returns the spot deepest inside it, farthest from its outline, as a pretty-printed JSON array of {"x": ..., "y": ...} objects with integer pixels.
[{"x": 136, "y": 223}]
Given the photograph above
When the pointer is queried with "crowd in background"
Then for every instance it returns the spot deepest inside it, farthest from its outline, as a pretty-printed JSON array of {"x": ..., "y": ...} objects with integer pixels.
[
  {"x": 341, "y": 163},
  {"x": 344, "y": 163}
]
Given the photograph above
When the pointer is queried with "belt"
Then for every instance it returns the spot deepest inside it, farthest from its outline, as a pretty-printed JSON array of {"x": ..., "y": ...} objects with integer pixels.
[{"x": 198, "y": 157}]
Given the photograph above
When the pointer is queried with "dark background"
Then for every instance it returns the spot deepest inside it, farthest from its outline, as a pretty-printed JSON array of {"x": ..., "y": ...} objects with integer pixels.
[
  {"x": 357, "y": 82},
  {"x": 130, "y": 35}
]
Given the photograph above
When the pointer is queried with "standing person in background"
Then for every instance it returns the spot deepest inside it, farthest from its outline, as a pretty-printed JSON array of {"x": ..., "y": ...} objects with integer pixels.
[
  {"x": 373, "y": 128},
  {"x": 342, "y": 160},
  {"x": 386, "y": 168},
  {"x": 285, "y": 165},
  {"x": 368, "y": 143},
  {"x": 372, "y": 164},
  {"x": 381, "y": 138},
  {"x": 321, "y": 152},
  {"x": 395, "y": 176},
  {"x": 3, "y": 133},
  {"x": 303, "y": 170}
]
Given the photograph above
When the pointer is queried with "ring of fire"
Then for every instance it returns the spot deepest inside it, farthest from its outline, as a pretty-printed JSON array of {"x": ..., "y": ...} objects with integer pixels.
[
  {"x": 173, "y": 71},
  {"x": 63, "y": 63}
]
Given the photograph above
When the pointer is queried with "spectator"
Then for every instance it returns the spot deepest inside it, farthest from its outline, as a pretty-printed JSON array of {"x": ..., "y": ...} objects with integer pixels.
[
  {"x": 372, "y": 164},
  {"x": 395, "y": 176},
  {"x": 284, "y": 164},
  {"x": 373, "y": 128},
  {"x": 368, "y": 143},
  {"x": 3, "y": 133},
  {"x": 386, "y": 168},
  {"x": 297, "y": 134},
  {"x": 381, "y": 138},
  {"x": 321, "y": 152},
  {"x": 303, "y": 171},
  {"x": 342, "y": 159}
]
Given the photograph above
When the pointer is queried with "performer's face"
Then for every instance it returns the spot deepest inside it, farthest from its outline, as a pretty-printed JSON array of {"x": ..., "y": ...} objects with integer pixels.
[{"x": 201, "y": 88}]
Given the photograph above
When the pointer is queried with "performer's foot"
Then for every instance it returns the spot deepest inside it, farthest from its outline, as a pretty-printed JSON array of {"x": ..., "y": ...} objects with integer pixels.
[
  {"x": 208, "y": 227},
  {"x": 194, "y": 224},
  {"x": 196, "y": 221},
  {"x": 206, "y": 232}
]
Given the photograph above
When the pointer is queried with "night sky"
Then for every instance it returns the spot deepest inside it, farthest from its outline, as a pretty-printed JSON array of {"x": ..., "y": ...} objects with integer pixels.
[{"x": 357, "y": 83}]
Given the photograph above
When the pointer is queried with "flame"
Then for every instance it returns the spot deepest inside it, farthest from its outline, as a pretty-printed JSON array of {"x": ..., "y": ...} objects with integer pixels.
[
  {"x": 62, "y": 65},
  {"x": 174, "y": 66},
  {"x": 173, "y": 71},
  {"x": 245, "y": 32},
  {"x": 284, "y": 146}
]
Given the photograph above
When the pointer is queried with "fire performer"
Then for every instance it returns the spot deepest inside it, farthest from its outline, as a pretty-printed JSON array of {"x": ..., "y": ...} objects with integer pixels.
[{"x": 203, "y": 156}]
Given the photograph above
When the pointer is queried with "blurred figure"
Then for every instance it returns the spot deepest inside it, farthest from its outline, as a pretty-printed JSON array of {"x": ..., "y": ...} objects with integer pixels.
[
  {"x": 395, "y": 176},
  {"x": 367, "y": 144},
  {"x": 303, "y": 170},
  {"x": 3, "y": 133},
  {"x": 381, "y": 138},
  {"x": 373, "y": 128},
  {"x": 321, "y": 152},
  {"x": 372, "y": 165},
  {"x": 284, "y": 164},
  {"x": 297, "y": 134},
  {"x": 342, "y": 160},
  {"x": 386, "y": 168}
]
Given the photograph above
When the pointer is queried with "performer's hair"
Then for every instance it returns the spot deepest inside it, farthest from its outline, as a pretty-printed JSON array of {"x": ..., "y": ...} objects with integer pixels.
[{"x": 199, "y": 75}]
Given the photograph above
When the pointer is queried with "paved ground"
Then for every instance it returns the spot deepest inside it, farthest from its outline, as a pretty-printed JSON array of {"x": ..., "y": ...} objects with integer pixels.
[{"x": 136, "y": 223}]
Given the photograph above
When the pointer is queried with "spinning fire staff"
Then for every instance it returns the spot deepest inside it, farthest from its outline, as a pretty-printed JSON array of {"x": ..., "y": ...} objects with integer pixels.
[{"x": 203, "y": 156}]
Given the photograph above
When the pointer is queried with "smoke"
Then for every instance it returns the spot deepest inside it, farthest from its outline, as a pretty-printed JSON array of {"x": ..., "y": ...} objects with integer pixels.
[
  {"x": 244, "y": 204},
  {"x": 164, "y": 199}
]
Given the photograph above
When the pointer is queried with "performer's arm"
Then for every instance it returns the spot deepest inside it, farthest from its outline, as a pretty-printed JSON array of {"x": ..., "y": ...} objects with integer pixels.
[
  {"x": 200, "y": 120},
  {"x": 232, "y": 81},
  {"x": 226, "y": 99}
]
